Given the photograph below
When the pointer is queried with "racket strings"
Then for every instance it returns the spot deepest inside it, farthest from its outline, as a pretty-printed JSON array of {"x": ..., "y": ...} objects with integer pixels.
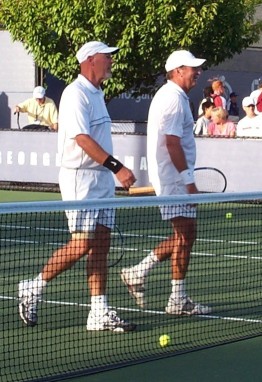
[{"x": 208, "y": 180}]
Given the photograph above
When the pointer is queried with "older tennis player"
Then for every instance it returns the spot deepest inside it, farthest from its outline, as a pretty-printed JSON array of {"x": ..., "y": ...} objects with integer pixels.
[
  {"x": 87, "y": 165},
  {"x": 171, "y": 154}
]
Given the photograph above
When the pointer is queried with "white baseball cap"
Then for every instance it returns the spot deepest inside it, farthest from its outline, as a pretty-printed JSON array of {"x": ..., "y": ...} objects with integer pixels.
[
  {"x": 91, "y": 48},
  {"x": 182, "y": 58},
  {"x": 39, "y": 92},
  {"x": 247, "y": 101}
]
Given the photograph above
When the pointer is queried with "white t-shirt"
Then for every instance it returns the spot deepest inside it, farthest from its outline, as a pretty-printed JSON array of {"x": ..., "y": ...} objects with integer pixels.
[
  {"x": 254, "y": 95},
  {"x": 82, "y": 111},
  {"x": 169, "y": 114},
  {"x": 250, "y": 127},
  {"x": 201, "y": 126}
]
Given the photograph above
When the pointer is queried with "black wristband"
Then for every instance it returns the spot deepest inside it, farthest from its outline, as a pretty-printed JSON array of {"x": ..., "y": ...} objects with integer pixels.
[{"x": 113, "y": 164}]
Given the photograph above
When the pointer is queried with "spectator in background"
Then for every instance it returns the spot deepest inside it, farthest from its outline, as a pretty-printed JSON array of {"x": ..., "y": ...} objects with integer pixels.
[
  {"x": 40, "y": 109},
  {"x": 204, "y": 119},
  {"x": 208, "y": 91},
  {"x": 251, "y": 124},
  {"x": 232, "y": 108},
  {"x": 218, "y": 91},
  {"x": 257, "y": 97},
  {"x": 220, "y": 125}
]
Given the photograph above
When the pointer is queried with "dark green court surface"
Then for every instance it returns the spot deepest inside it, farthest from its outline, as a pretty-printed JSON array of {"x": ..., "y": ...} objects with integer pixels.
[{"x": 236, "y": 362}]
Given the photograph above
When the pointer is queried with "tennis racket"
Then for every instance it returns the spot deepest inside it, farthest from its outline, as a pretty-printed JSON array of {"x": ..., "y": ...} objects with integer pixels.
[
  {"x": 117, "y": 249},
  {"x": 207, "y": 179},
  {"x": 210, "y": 179}
]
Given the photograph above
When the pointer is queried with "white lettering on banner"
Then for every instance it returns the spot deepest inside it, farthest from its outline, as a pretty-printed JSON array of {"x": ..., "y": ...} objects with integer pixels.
[
  {"x": 138, "y": 99},
  {"x": 143, "y": 97},
  {"x": 21, "y": 158},
  {"x": 46, "y": 159},
  {"x": 129, "y": 162},
  {"x": 9, "y": 157},
  {"x": 33, "y": 159},
  {"x": 143, "y": 164}
]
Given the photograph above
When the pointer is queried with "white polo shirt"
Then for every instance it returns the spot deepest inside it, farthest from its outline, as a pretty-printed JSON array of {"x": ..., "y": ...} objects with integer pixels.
[
  {"x": 82, "y": 111},
  {"x": 169, "y": 114}
]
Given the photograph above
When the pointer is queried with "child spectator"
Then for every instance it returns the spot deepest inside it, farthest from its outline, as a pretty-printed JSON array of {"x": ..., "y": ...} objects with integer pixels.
[
  {"x": 208, "y": 91},
  {"x": 204, "y": 119},
  {"x": 218, "y": 90}
]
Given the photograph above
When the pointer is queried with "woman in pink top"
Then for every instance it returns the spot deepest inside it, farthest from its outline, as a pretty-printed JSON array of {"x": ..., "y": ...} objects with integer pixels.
[{"x": 220, "y": 125}]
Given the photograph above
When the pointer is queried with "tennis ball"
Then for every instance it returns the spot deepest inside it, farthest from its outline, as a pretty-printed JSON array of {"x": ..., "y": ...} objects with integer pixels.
[
  {"x": 229, "y": 215},
  {"x": 164, "y": 340}
]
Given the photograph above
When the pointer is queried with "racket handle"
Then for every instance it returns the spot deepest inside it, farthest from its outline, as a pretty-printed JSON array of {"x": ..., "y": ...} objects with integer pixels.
[{"x": 140, "y": 190}]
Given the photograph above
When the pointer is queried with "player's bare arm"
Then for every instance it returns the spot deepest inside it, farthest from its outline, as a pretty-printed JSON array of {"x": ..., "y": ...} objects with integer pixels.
[{"x": 177, "y": 156}]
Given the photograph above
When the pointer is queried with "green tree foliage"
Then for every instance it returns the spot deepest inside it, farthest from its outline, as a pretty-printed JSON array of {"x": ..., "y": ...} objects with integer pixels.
[{"x": 147, "y": 31}]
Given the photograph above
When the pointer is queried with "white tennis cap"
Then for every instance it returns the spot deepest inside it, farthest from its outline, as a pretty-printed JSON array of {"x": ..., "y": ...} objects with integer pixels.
[
  {"x": 182, "y": 58},
  {"x": 93, "y": 47},
  {"x": 247, "y": 101},
  {"x": 39, "y": 92}
]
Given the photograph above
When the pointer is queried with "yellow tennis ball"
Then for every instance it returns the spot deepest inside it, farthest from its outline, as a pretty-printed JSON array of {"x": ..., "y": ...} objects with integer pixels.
[
  {"x": 164, "y": 340},
  {"x": 229, "y": 215}
]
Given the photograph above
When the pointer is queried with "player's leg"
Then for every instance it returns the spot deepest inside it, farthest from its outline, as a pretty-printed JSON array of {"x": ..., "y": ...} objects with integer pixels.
[
  {"x": 134, "y": 277},
  {"x": 30, "y": 291},
  {"x": 101, "y": 317},
  {"x": 179, "y": 303}
]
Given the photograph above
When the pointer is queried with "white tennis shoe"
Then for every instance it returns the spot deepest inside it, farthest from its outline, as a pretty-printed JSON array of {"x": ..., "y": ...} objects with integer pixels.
[
  {"x": 28, "y": 302},
  {"x": 135, "y": 285},
  {"x": 186, "y": 306},
  {"x": 109, "y": 321}
]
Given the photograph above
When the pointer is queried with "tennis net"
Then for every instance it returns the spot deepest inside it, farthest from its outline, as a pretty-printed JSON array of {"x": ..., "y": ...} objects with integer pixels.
[{"x": 224, "y": 273}]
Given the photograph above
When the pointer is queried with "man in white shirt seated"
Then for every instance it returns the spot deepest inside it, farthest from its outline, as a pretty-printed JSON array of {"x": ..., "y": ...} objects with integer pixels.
[
  {"x": 256, "y": 95},
  {"x": 251, "y": 124}
]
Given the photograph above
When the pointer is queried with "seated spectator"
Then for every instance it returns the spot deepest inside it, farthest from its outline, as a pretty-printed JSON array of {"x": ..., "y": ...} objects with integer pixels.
[
  {"x": 232, "y": 108},
  {"x": 257, "y": 97},
  {"x": 40, "y": 109},
  {"x": 204, "y": 119},
  {"x": 251, "y": 124},
  {"x": 208, "y": 91},
  {"x": 217, "y": 95},
  {"x": 220, "y": 125}
]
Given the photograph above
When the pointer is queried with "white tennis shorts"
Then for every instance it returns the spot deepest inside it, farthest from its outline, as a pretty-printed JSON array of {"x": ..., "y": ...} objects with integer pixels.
[
  {"x": 85, "y": 185},
  {"x": 172, "y": 211}
]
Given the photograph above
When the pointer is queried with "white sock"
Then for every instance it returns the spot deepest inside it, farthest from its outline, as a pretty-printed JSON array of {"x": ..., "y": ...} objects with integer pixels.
[
  {"x": 39, "y": 284},
  {"x": 99, "y": 305},
  {"x": 145, "y": 266},
  {"x": 178, "y": 289}
]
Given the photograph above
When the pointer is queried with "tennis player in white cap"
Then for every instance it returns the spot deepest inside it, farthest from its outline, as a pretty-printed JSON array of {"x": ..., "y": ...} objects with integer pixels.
[
  {"x": 171, "y": 157},
  {"x": 87, "y": 165}
]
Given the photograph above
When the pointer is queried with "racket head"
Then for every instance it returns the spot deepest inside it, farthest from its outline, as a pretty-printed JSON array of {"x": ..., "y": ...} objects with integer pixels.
[
  {"x": 210, "y": 179},
  {"x": 117, "y": 248}
]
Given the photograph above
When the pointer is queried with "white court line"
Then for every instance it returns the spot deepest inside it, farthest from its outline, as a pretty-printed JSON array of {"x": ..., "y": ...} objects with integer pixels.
[
  {"x": 131, "y": 249},
  {"x": 133, "y": 235},
  {"x": 156, "y": 312}
]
